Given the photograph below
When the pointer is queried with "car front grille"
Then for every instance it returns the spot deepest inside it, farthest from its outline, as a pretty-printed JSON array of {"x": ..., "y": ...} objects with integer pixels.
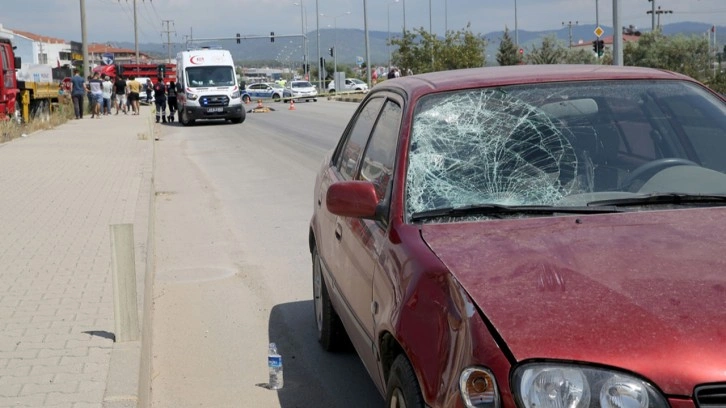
[
  {"x": 214, "y": 100},
  {"x": 711, "y": 396}
]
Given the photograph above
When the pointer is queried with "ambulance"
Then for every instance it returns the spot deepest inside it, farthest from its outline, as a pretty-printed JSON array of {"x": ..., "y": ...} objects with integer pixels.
[{"x": 207, "y": 86}]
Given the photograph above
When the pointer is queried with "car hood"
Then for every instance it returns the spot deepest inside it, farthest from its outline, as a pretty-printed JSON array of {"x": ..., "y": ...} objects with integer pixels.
[{"x": 642, "y": 291}]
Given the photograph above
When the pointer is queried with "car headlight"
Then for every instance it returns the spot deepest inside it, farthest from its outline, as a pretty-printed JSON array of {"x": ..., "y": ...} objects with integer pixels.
[
  {"x": 543, "y": 385},
  {"x": 192, "y": 97},
  {"x": 235, "y": 95},
  {"x": 478, "y": 388}
]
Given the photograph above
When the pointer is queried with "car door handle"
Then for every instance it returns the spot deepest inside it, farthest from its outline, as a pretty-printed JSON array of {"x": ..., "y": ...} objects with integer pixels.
[{"x": 338, "y": 231}]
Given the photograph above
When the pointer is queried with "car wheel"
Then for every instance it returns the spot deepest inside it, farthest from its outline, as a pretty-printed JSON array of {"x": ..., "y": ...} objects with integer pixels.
[
  {"x": 402, "y": 389},
  {"x": 276, "y": 97},
  {"x": 185, "y": 118},
  {"x": 331, "y": 333}
]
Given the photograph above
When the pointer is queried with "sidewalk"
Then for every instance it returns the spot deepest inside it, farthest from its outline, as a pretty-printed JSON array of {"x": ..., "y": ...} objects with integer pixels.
[{"x": 60, "y": 190}]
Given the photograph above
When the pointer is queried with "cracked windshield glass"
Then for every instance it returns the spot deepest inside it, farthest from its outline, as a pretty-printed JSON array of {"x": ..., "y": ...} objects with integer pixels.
[{"x": 564, "y": 144}]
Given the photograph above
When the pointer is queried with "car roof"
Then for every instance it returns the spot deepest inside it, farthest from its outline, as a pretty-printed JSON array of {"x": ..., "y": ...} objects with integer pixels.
[{"x": 520, "y": 74}]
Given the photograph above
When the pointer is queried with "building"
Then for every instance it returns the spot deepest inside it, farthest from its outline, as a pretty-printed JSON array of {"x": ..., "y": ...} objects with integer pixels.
[{"x": 38, "y": 49}]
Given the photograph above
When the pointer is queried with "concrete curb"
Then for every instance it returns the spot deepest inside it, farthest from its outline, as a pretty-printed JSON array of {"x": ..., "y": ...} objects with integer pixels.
[{"x": 129, "y": 377}]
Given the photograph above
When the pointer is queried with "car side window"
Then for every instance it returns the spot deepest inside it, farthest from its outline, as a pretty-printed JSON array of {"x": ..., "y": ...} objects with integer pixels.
[
  {"x": 379, "y": 158},
  {"x": 358, "y": 135}
]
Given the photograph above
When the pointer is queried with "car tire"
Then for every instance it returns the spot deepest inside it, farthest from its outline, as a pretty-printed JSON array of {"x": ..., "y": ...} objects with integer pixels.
[
  {"x": 276, "y": 98},
  {"x": 331, "y": 333},
  {"x": 184, "y": 118},
  {"x": 402, "y": 389}
]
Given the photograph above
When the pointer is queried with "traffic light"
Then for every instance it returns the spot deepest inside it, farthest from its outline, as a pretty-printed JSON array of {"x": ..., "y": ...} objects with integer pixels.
[
  {"x": 595, "y": 45},
  {"x": 272, "y": 36},
  {"x": 600, "y": 47},
  {"x": 331, "y": 50},
  {"x": 238, "y": 38}
]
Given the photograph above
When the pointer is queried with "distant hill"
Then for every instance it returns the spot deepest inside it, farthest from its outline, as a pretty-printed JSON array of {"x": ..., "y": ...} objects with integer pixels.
[{"x": 350, "y": 44}]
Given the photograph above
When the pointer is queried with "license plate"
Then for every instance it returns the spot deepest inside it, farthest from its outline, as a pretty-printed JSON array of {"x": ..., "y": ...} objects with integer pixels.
[{"x": 215, "y": 110}]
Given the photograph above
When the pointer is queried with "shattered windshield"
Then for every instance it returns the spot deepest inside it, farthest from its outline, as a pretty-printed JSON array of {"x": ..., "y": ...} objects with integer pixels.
[{"x": 564, "y": 144}]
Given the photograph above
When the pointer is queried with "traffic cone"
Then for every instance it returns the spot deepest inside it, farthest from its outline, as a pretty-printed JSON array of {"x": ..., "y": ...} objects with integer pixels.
[{"x": 292, "y": 104}]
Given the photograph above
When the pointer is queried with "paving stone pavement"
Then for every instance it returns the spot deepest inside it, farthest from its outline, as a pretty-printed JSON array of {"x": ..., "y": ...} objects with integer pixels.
[{"x": 60, "y": 191}]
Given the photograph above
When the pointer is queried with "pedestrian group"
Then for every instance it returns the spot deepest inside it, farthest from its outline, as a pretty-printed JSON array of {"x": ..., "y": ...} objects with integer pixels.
[{"x": 105, "y": 95}]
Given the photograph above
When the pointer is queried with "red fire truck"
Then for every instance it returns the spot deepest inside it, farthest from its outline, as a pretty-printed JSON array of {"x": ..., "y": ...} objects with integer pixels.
[{"x": 27, "y": 93}]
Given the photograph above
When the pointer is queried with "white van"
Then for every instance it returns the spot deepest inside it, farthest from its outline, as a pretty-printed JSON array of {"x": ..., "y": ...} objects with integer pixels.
[{"x": 207, "y": 86}]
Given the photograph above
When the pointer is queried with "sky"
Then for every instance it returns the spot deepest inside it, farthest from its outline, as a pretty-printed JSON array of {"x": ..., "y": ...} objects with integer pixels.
[{"x": 159, "y": 21}]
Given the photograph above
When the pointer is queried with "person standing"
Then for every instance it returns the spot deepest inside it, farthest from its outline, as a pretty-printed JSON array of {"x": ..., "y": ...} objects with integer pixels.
[
  {"x": 119, "y": 89},
  {"x": 160, "y": 100},
  {"x": 96, "y": 87},
  {"x": 134, "y": 87},
  {"x": 107, "y": 93},
  {"x": 171, "y": 100},
  {"x": 89, "y": 95},
  {"x": 149, "y": 87},
  {"x": 78, "y": 92}
]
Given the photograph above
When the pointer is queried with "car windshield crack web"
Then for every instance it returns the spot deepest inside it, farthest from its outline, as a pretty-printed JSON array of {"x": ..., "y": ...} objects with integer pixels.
[{"x": 487, "y": 147}]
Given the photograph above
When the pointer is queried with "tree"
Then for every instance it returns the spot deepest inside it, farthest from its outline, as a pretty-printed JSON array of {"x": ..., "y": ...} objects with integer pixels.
[
  {"x": 580, "y": 56},
  {"x": 687, "y": 55},
  {"x": 421, "y": 51},
  {"x": 508, "y": 54},
  {"x": 551, "y": 52}
]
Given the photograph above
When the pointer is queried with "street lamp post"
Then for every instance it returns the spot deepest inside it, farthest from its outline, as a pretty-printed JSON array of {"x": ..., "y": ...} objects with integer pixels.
[
  {"x": 516, "y": 28},
  {"x": 404, "y": 16},
  {"x": 389, "y": 32},
  {"x": 431, "y": 33},
  {"x": 335, "y": 38},
  {"x": 304, "y": 40}
]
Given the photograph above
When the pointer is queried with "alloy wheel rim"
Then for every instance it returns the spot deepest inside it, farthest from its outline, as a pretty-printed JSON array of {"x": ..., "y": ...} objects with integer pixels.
[
  {"x": 397, "y": 400},
  {"x": 317, "y": 293}
]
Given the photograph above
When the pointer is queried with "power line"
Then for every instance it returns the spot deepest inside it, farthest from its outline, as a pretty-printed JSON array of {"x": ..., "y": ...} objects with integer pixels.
[{"x": 168, "y": 38}]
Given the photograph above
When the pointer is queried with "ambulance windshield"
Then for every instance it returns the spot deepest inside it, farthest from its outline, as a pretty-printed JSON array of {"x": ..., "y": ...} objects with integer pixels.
[{"x": 203, "y": 77}]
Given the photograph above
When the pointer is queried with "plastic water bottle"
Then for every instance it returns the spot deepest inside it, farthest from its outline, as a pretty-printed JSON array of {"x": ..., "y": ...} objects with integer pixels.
[{"x": 274, "y": 363}]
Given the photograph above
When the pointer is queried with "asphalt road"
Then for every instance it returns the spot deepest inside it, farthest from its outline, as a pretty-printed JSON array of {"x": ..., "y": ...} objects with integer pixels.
[{"x": 233, "y": 270}]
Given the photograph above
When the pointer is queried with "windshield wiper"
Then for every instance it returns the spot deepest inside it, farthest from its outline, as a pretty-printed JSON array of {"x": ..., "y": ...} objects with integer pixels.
[
  {"x": 661, "y": 198},
  {"x": 498, "y": 210}
]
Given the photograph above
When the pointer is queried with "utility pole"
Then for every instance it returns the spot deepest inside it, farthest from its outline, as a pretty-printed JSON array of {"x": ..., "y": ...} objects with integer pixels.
[
  {"x": 617, "y": 35},
  {"x": 569, "y": 25},
  {"x": 168, "y": 39},
  {"x": 652, "y": 15},
  {"x": 84, "y": 43},
  {"x": 317, "y": 35},
  {"x": 659, "y": 12},
  {"x": 136, "y": 37}
]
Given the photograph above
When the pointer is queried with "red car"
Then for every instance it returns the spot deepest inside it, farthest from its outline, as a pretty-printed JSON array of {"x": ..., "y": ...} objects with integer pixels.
[{"x": 531, "y": 237}]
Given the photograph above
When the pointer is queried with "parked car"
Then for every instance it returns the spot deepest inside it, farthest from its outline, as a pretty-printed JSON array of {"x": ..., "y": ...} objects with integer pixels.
[
  {"x": 268, "y": 90},
  {"x": 302, "y": 90},
  {"x": 351, "y": 85},
  {"x": 532, "y": 236},
  {"x": 143, "y": 100}
]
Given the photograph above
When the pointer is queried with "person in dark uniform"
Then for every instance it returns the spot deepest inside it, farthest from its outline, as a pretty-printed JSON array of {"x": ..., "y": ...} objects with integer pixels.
[
  {"x": 160, "y": 100},
  {"x": 171, "y": 99}
]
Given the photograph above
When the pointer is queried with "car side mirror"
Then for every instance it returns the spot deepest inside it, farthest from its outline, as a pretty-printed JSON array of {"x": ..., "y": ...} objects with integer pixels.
[{"x": 356, "y": 199}]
